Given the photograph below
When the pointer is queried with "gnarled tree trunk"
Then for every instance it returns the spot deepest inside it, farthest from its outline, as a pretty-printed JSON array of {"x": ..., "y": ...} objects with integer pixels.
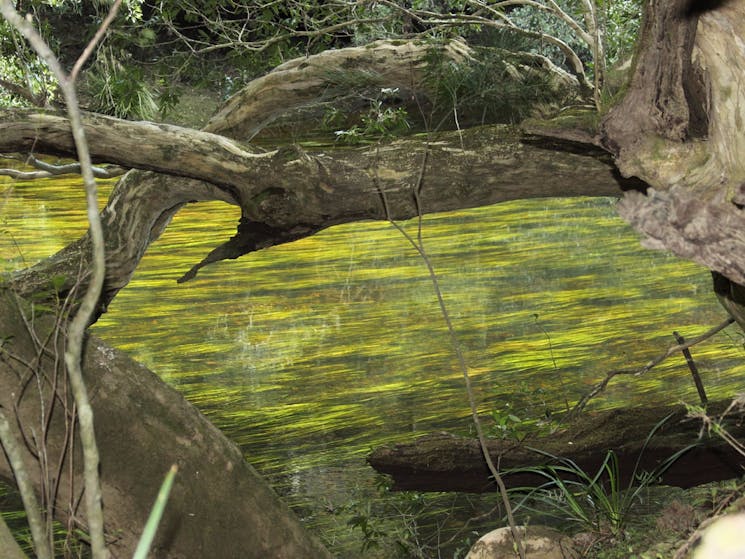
[{"x": 678, "y": 130}]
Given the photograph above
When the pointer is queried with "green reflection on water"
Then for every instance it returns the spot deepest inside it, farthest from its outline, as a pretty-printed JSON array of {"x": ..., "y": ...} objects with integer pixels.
[{"x": 309, "y": 354}]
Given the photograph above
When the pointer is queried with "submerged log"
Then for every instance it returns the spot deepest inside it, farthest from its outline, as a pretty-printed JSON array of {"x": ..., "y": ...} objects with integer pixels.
[{"x": 445, "y": 462}]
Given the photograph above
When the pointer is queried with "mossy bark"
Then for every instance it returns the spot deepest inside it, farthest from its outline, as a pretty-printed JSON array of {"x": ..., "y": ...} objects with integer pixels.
[{"x": 443, "y": 462}]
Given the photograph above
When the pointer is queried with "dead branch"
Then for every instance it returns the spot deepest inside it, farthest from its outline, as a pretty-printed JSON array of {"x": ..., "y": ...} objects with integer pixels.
[
  {"x": 47, "y": 170},
  {"x": 600, "y": 387}
]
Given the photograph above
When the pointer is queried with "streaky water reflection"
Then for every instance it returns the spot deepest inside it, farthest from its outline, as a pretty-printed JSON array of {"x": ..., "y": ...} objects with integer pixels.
[{"x": 310, "y": 354}]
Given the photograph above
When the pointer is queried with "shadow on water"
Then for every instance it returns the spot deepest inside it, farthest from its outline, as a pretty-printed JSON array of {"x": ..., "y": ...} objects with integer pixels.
[{"x": 310, "y": 354}]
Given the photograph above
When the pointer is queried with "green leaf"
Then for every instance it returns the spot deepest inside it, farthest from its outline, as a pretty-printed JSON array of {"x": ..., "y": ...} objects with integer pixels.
[
  {"x": 58, "y": 282},
  {"x": 148, "y": 534}
]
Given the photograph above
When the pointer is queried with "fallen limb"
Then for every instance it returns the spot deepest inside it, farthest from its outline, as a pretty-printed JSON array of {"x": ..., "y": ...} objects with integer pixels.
[{"x": 444, "y": 462}]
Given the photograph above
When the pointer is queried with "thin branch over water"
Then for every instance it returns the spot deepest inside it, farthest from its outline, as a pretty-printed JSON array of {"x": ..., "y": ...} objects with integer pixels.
[{"x": 600, "y": 387}]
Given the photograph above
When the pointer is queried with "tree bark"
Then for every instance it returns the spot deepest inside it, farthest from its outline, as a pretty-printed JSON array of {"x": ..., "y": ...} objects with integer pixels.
[
  {"x": 679, "y": 130},
  {"x": 290, "y": 193},
  {"x": 444, "y": 462},
  {"x": 219, "y": 505}
]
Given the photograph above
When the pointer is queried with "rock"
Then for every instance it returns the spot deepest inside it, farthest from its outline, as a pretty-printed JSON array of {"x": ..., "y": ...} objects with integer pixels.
[
  {"x": 541, "y": 542},
  {"x": 723, "y": 539}
]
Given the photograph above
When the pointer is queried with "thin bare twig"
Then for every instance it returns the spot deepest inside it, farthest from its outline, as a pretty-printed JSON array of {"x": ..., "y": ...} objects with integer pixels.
[
  {"x": 694, "y": 370},
  {"x": 81, "y": 320},
  {"x": 599, "y": 387},
  {"x": 418, "y": 245},
  {"x": 47, "y": 170},
  {"x": 463, "y": 527},
  {"x": 717, "y": 425}
]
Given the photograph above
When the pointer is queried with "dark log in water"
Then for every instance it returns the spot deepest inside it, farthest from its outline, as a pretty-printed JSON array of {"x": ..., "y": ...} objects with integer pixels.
[{"x": 444, "y": 462}]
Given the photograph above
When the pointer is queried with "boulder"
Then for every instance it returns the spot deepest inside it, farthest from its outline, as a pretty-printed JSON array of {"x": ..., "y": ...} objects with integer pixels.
[
  {"x": 723, "y": 539},
  {"x": 541, "y": 542}
]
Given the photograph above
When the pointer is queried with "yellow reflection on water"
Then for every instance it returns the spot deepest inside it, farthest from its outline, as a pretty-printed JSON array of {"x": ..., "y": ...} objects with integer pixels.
[{"x": 311, "y": 353}]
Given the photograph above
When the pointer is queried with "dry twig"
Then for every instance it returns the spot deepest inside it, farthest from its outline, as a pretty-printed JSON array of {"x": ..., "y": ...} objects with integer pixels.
[
  {"x": 80, "y": 321},
  {"x": 599, "y": 387},
  {"x": 418, "y": 245},
  {"x": 47, "y": 170}
]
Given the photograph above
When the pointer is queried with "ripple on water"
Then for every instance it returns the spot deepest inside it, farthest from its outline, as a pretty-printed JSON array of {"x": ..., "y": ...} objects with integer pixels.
[{"x": 310, "y": 354}]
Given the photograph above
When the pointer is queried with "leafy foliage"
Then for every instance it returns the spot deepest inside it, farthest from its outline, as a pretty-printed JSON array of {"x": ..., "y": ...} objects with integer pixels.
[
  {"x": 621, "y": 19},
  {"x": 618, "y": 21},
  {"x": 225, "y": 43},
  {"x": 536, "y": 20},
  {"x": 20, "y": 67},
  {"x": 378, "y": 122},
  {"x": 120, "y": 90},
  {"x": 494, "y": 86},
  {"x": 391, "y": 525}
]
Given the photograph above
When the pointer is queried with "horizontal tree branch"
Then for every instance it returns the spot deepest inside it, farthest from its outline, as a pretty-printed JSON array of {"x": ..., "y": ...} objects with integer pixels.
[
  {"x": 47, "y": 170},
  {"x": 290, "y": 193}
]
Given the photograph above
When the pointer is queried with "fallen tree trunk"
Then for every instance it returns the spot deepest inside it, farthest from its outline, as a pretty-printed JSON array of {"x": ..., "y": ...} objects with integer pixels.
[
  {"x": 292, "y": 193},
  {"x": 693, "y": 143},
  {"x": 219, "y": 505},
  {"x": 444, "y": 462}
]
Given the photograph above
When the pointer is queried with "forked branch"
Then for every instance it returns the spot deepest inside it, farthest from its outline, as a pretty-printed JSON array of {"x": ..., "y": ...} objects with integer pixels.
[
  {"x": 600, "y": 387},
  {"x": 81, "y": 320}
]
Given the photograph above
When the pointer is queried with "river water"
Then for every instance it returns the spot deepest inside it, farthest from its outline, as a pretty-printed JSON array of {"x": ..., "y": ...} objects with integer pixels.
[{"x": 310, "y": 354}]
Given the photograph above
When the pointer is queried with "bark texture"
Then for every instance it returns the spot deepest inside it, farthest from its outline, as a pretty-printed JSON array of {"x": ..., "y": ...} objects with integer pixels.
[
  {"x": 680, "y": 129},
  {"x": 352, "y": 76},
  {"x": 219, "y": 506}
]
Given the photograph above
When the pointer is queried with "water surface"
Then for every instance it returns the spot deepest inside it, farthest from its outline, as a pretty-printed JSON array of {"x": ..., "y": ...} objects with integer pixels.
[{"x": 312, "y": 353}]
